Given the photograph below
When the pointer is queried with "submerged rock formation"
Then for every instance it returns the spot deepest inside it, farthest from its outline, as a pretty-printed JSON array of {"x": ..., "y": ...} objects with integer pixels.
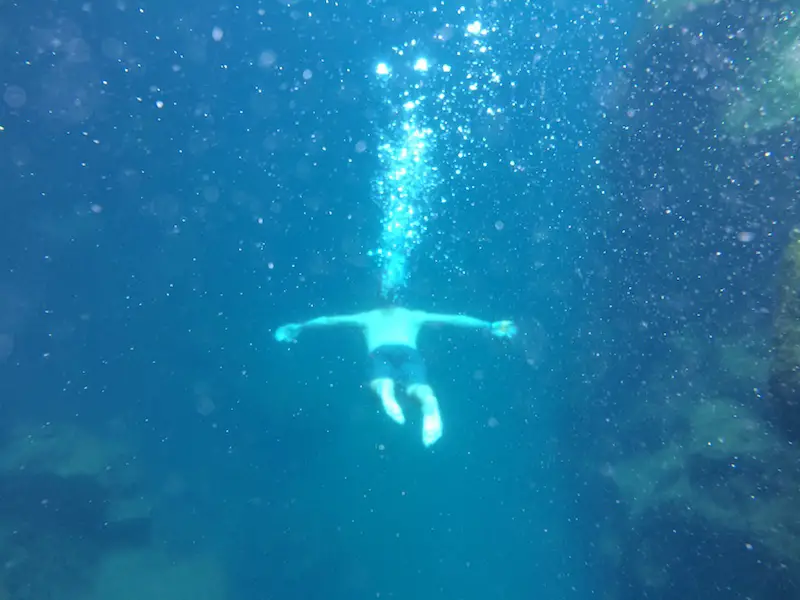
[
  {"x": 703, "y": 489},
  {"x": 65, "y": 504},
  {"x": 723, "y": 490},
  {"x": 784, "y": 376}
]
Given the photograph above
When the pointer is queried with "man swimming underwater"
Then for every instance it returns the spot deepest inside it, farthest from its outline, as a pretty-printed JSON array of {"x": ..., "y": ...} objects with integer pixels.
[{"x": 391, "y": 336}]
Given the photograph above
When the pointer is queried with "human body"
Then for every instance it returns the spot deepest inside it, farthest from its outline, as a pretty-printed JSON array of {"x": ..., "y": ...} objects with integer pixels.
[{"x": 391, "y": 337}]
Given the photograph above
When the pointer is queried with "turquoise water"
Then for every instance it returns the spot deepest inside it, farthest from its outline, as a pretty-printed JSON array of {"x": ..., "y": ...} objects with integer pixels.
[{"x": 180, "y": 179}]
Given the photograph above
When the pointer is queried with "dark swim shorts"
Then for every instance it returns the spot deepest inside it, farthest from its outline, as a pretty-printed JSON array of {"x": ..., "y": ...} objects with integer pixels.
[{"x": 399, "y": 363}]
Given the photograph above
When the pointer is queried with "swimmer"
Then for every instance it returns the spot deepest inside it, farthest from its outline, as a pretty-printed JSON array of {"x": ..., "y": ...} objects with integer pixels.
[{"x": 391, "y": 335}]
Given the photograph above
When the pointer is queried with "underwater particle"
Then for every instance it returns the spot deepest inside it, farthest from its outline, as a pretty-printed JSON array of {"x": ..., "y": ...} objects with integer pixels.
[
  {"x": 499, "y": 225},
  {"x": 267, "y": 58},
  {"x": 77, "y": 51},
  {"x": 112, "y": 48},
  {"x": 205, "y": 405},
  {"x": 745, "y": 236},
  {"x": 15, "y": 96},
  {"x": 211, "y": 194},
  {"x": 445, "y": 33},
  {"x": 6, "y": 345},
  {"x": 607, "y": 470},
  {"x": 217, "y": 34}
]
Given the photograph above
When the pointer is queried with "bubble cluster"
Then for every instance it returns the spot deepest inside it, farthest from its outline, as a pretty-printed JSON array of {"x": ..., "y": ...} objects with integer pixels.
[{"x": 432, "y": 103}]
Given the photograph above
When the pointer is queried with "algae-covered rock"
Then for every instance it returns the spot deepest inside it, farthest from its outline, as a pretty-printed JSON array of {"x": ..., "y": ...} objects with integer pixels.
[
  {"x": 68, "y": 495},
  {"x": 149, "y": 573},
  {"x": 784, "y": 376},
  {"x": 695, "y": 464},
  {"x": 741, "y": 364},
  {"x": 756, "y": 85},
  {"x": 766, "y": 96},
  {"x": 719, "y": 430},
  {"x": 61, "y": 449},
  {"x": 69, "y": 451},
  {"x": 728, "y": 469}
]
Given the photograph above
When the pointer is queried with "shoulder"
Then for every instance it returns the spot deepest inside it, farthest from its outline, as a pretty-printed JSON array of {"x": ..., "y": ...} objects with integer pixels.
[
  {"x": 366, "y": 317},
  {"x": 417, "y": 315}
]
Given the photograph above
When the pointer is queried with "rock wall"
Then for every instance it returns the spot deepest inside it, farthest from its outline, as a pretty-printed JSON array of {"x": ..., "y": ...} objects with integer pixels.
[{"x": 784, "y": 375}]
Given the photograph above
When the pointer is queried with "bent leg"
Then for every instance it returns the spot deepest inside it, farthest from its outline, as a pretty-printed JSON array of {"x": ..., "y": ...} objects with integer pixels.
[
  {"x": 431, "y": 418},
  {"x": 384, "y": 387}
]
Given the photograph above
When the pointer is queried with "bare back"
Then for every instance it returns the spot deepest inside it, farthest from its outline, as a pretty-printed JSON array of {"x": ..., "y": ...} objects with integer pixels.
[{"x": 392, "y": 327}]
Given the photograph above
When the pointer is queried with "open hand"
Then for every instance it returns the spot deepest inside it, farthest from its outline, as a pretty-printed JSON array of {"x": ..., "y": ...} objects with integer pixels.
[
  {"x": 288, "y": 333},
  {"x": 504, "y": 329}
]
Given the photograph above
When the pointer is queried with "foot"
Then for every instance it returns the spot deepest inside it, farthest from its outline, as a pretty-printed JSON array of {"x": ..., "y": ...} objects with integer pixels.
[
  {"x": 392, "y": 408},
  {"x": 431, "y": 428}
]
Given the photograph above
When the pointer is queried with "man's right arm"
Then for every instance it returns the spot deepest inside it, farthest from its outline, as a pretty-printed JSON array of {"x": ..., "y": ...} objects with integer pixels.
[
  {"x": 337, "y": 320},
  {"x": 289, "y": 332}
]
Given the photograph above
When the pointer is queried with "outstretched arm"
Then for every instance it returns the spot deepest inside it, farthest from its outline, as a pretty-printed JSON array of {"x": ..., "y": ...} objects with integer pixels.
[
  {"x": 338, "y": 320},
  {"x": 505, "y": 329},
  {"x": 456, "y": 320},
  {"x": 289, "y": 333}
]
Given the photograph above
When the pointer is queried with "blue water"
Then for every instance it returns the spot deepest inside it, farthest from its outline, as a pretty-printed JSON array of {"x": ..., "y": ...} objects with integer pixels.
[{"x": 179, "y": 179}]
